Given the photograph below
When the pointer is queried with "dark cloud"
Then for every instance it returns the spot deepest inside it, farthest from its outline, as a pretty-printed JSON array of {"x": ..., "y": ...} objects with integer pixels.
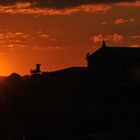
[
  {"x": 73, "y": 3},
  {"x": 60, "y": 4}
]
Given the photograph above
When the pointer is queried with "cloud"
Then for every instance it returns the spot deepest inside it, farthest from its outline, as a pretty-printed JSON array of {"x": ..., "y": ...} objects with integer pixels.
[
  {"x": 13, "y": 36},
  {"x": 135, "y": 46},
  {"x": 97, "y": 38},
  {"x": 123, "y": 21},
  {"x": 135, "y": 36},
  {"x": 24, "y": 9},
  {"x": 114, "y": 38},
  {"x": 61, "y": 4},
  {"x": 1, "y": 36},
  {"x": 23, "y": 5},
  {"x": 104, "y": 22},
  {"x": 129, "y": 4},
  {"x": 14, "y": 46},
  {"x": 95, "y": 8},
  {"x": 54, "y": 47},
  {"x": 13, "y": 40},
  {"x": 10, "y": 41},
  {"x": 36, "y": 48},
  {"x": 61, "y": 7},
  {"x": 44, "y": 36}
]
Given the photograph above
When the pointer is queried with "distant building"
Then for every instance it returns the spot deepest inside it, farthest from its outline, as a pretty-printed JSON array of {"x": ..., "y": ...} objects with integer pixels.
[
  {"x": 120, "y": 63},
  {"x": 37, "y": 70},
  {"x": 71, "y": 70}
]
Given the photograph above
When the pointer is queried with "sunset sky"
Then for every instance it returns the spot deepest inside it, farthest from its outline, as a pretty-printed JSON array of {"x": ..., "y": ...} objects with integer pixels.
[{"x": 59, "y": 33}]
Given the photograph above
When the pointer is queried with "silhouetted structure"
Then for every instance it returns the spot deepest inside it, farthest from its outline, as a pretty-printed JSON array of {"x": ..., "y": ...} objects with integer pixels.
[
  {"x": 71, "y": 70},
  {"x": 115, "y": 63},
  {"x": 37, "y": 70},
  {"x": 74, "y": 103}
]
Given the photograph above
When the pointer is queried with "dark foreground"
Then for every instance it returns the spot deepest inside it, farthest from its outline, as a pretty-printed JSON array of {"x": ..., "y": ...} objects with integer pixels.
[{"x": 69, "y": 107}]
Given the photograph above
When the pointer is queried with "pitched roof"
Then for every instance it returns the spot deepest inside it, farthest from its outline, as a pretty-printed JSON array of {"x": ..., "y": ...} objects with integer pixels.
[
  {"x": 123, "y": 51},
  {"x": 71, "y": 70}
]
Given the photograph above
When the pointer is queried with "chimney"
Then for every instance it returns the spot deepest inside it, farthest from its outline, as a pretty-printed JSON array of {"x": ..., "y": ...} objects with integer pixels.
[{"x": 38, "y": 68}]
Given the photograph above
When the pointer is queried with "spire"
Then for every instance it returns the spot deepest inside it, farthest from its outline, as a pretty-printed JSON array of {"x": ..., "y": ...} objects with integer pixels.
[{"x": 103, "y": 44}]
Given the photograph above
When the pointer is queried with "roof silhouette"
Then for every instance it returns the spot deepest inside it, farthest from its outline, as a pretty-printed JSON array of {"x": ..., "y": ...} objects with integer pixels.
[
  {"x": 71, "y": 70},
  {"x": 124, "y": 51}
]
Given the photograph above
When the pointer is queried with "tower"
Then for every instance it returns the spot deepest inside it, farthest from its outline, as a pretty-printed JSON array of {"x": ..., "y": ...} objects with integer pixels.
[{"x": 38, "y": 68}]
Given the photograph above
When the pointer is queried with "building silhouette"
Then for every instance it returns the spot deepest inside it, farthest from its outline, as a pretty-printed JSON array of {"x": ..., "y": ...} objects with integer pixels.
[
  {"x": 37, "y": 70},
  {"x": 115, "y": 63}
]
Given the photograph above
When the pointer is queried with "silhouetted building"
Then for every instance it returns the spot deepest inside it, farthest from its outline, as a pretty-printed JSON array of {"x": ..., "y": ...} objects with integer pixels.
[
  {"x": 115, "y": 63},
  {"x": 37, "y": 70},
  {"x": 71, "y": 70}
]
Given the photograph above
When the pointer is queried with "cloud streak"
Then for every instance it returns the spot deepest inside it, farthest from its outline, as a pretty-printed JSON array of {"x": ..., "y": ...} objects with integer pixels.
[
  {"x": 123, "y": 21},
  {"x": 60, "y": 4},
  {"x": 27, "y": 9},
  {"x": 135, "y": 37},
  {"x": 61, "y": 7},
  {"x": 42, "y": 48},
  {"x": 135, "y": 46},
  {"x": 129, "y": 4},
  {"x": 114, "y": 38}
]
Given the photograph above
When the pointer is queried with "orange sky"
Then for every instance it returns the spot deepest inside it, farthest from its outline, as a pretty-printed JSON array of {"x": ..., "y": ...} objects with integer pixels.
[{"x": 59, "y": 34}]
